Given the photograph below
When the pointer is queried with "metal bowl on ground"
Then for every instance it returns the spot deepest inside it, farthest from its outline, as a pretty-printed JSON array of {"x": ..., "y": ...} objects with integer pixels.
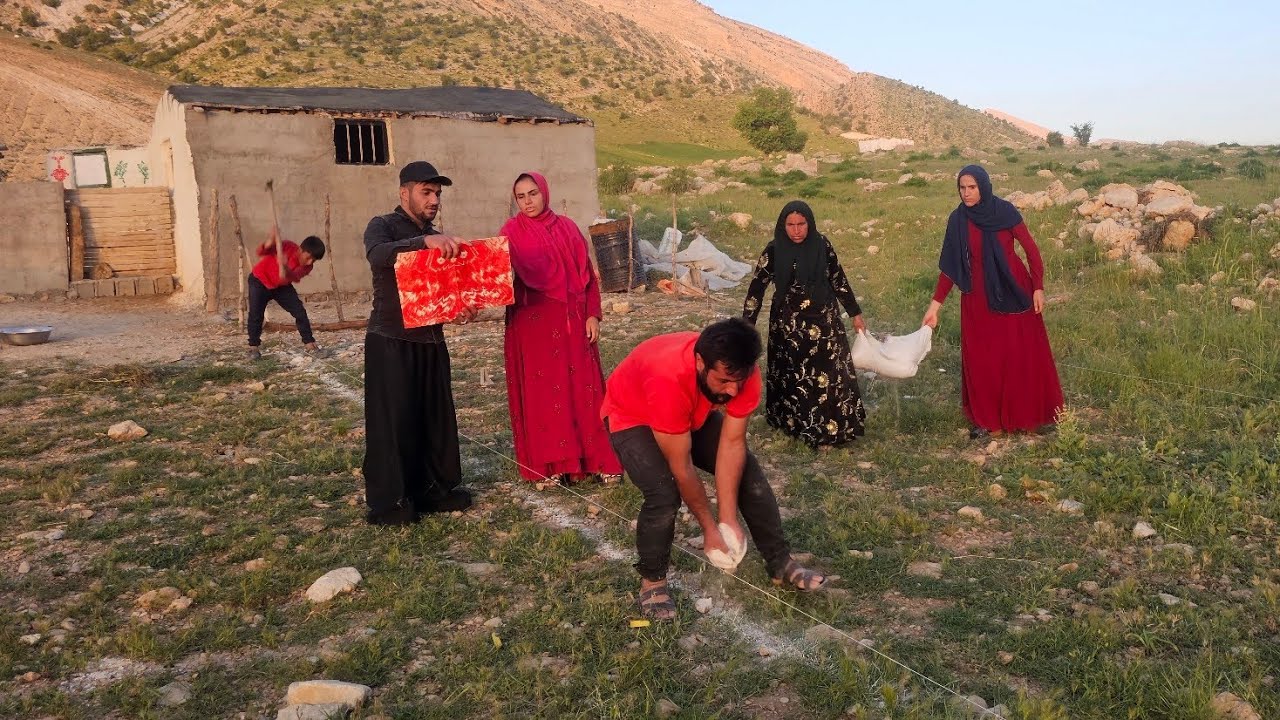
[{"x": 26, "y": 334}]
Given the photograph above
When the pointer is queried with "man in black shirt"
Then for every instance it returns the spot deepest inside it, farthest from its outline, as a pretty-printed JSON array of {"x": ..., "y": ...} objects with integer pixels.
[{"x": 411, "y": 462}]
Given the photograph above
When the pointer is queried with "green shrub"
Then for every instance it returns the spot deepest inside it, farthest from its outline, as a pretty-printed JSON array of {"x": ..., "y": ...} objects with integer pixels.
[
  {"x": 1253, "y": 169},
  {"x": 1083, "y": 133},
  {"x": 1054, "y": 139},
  {"x": 29, "y": 17},
  {"x": 953, "y": 152},
  {"x": 52, "y": 3},
  {"x": 916, "y": 181},
  {"x": 774, "y": 193},
  {"x": 1047, "y": 165},
  {"x": 617, "y": 179},
  {"x": 677, "y": 182}
]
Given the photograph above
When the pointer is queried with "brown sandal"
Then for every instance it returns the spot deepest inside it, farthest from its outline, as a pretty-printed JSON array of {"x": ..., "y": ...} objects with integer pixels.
[
  {"x": 652, "y": 608},
  {"x": 800, "y": 577}
]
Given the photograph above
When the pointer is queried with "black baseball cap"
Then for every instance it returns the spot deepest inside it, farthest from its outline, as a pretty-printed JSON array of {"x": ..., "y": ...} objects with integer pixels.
[{"x": 422, "y": 171}]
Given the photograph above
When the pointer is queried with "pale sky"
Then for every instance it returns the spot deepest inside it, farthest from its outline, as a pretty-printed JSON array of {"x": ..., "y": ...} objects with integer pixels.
[{"x": 1139, "y": 70}]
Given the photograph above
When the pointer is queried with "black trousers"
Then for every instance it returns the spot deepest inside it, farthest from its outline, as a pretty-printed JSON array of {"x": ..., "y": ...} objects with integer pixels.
[
  {"x": 411, "y": 452},
  {"x": 287, "y": 297},
  {"x": 656, "y": 526}
]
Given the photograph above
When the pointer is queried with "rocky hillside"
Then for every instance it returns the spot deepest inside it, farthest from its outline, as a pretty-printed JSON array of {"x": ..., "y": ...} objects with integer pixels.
[
  {"x": 587, "y": 54},
  {"x": 51, "y": 97}
]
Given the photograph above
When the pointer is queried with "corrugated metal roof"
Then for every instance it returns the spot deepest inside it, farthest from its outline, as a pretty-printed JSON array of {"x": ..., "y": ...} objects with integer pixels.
[{"x": 471, "y": 103}]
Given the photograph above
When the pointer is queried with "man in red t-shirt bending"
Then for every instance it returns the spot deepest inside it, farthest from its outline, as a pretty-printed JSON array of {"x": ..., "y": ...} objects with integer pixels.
[
  {"x": 266, "y": 284},
  {"x": 679, "y": 402}
]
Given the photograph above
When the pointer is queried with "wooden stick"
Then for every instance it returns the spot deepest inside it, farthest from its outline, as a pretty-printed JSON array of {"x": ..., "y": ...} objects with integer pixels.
[
  {"x": 212, "y": 281},
  {"x": 333, "y": 274},
  {"x": 77, "y": 243},
  {"x": 631, "y": 243},
  {"x": 244, "y": 255},
  {"x": 675, "y": 225},
  {"x": 275, "y": 225}
]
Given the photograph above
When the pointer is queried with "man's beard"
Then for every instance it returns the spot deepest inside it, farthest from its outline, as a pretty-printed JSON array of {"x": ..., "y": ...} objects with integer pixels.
[{"x": 715, "y": 398}]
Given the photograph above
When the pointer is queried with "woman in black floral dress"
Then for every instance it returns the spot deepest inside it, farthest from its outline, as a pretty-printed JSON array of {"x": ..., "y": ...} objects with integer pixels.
[{"x": 811, "y": 389}]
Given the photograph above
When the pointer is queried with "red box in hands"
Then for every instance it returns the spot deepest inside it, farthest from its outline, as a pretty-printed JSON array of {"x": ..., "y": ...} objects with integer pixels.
[{"x": 434, "y": 290}]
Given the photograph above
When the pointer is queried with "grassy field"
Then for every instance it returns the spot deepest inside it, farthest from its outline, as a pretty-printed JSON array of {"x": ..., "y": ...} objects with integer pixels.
[{"x": 243, "y": 494}]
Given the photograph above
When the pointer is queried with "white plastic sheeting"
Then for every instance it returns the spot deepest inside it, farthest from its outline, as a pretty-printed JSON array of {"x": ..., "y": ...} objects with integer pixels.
[
  {"x": 895, "y": 356},
  {"x": 715, "y": 269}
]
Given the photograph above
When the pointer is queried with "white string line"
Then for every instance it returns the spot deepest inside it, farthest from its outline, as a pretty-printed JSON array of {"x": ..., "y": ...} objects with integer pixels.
[
  {"x": 700, "y": 559},
  {"x": 744, "y": 581},
  {"x": 1168, "y": 382}
]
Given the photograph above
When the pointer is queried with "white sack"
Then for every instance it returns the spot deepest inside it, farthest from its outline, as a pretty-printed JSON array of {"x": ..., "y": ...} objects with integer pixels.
[{"x": 895, "y": 356}]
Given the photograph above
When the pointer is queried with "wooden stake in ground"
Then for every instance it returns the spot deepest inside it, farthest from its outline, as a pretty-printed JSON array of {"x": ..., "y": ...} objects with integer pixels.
[
  {"x": 333, "y": 274},
  {"x": 244, "y": 256},
  {"x": 275, "y": 225},
  {"x": 631, "y": 243},
  {"x": 77, "y": 243},
  {"x": 675, "y": 225},
  {"x": 213, "y": 268}
]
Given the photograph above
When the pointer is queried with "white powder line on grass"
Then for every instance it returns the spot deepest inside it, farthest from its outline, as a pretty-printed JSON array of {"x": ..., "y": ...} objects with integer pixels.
[{"x": 747, "y": 628}]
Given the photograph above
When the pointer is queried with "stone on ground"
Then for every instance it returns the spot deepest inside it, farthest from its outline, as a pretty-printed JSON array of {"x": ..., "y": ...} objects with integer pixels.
[
  {"x": 321, "y": 692},
  {"x": 125, "y": 431},
  {"x": 324, "y": 711},
  {"x": 332, "y": 583}
]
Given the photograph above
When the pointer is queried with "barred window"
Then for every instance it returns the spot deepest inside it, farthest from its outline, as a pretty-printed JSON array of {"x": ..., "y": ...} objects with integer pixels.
[{"x": 360, "y": 142}]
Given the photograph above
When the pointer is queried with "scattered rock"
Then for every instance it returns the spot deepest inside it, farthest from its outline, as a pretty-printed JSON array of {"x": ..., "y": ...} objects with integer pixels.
[
  {"x": 1144, "y": 265},
  {"x": 1229, "y": 706},
  {"x": 322, "y": 711},
  {"x": 1170, "y": 205},
  {"x": 874, "y": 186},
  {"x": 1044, "y": 173},
  {"x": 665, "y": 708},
  {"x": 1217, "y": 277},
  {"x": 873, "y": 249},
  {"x": 1004, "y": 657},
  {"x": 1178, "y": 235},
  {"x": 1243, "y": 304},
  {"x": 621, "y": 307},
  {"x": 493, "y": 622},
  {"x": 702, "y": 605},
  {"x": 174, "y": 694},
  {"x": 972, "y": 705},
  {"x": 24, "y": 567},
  {"x": 255, "y": 565},
  {"x": 971, "y": 512},
  {"x": 480, "y": 569},
  {"x": 1090, "y": 588},
  {"x": 1088, "y": 165},
  {"x": 1169, "y": 600},
  {"x": 864, "y": 554},
  {"x": 1120, "y": 195},
  {"x": 29, "y": 677},
  {"x": 996, "y": 491},
  {"x": 922, "y": 568},
  {"x": 1142, "y": 531},
  {"x": 165, "y": 599},
  {"x": 256, "y": 386},
  {"x": 31, "y": 639},
  {"x": 44, "y": 535},
  {"x": 126, "y": 430},
  {"x": 1070, "y": 507},
  {"x": 332, "y": 583},
  {"x": 741, "y": 219},
  {"x": 1183, "y": 548},
  {"x": 319, "y": 692}
]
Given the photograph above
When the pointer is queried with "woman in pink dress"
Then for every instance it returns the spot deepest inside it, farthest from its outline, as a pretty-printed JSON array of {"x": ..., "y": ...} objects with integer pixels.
[
  {"x": 554, "y": 382},
  {"x": 1008, "y": 379}
]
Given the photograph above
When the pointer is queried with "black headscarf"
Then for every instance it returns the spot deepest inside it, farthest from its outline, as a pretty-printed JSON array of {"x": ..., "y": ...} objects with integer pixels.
[
  {"x": 991, "y": 214},
  {"x": 809, "y": 257}
]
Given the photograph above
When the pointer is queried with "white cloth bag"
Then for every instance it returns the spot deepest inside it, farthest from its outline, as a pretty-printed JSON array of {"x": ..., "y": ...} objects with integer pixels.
[{"x": 895, "y": 356}]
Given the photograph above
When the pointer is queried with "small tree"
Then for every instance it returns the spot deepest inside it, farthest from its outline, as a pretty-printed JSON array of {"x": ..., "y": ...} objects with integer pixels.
[
  {"x": 1083, "y": 132},
  {"x": 767, "y": 121},
  {"x": 1054, "y": 139}
]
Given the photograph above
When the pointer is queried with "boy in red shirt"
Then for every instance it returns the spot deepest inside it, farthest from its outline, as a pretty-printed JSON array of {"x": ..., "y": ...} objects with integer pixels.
[
  {"x": 679, "y": 402},
  {"x": 265, "y": 285}
]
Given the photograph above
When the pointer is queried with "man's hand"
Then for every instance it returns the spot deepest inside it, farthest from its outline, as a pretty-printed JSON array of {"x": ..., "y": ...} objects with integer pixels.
[
  {"x": 448, "y": 246},
  {"x": 468, "y": 314},
  {"x": 593, "y": 330},
  {"x": 713, "y": 540}
]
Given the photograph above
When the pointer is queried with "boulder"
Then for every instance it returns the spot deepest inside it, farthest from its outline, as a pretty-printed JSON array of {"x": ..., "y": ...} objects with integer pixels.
[
  {"x": 1178, "y": 235},
  {"x": 1088, "y": 165},
  {"x": 1229, "y": 706},
  {"x": 1074, "y": 197},
  {"x": 741, "y": 219},
  {"x": 1120, "y": 195},
  {"x": 325, "y": 711},
  {"x": 1057, "y": 191},
  {"x": 1045, "y": 173},
  {"x": 1169, "y": 205},
  {"x": 874, "y": 186},
  {"x": 1143, "y": 265},
  {"x": 1112, "y": 234},
  {"x": 1243, "y": 304}
]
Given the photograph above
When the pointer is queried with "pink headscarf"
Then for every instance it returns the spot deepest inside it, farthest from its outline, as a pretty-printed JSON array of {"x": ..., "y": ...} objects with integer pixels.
[{"x": 548, "y": 252}]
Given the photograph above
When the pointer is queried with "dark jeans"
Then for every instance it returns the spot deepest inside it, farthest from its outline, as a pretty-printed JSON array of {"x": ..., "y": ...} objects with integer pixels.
[
  {"x": 656, "y": 526},
  {"x": 287, "y": 297},
  {"x": 411, "y": 456}
]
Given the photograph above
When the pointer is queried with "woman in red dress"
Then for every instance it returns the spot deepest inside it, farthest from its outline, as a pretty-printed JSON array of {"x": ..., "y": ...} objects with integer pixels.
[
  {"x": 1008, "y": 380},
  {"x": 554, "y": 382}
]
